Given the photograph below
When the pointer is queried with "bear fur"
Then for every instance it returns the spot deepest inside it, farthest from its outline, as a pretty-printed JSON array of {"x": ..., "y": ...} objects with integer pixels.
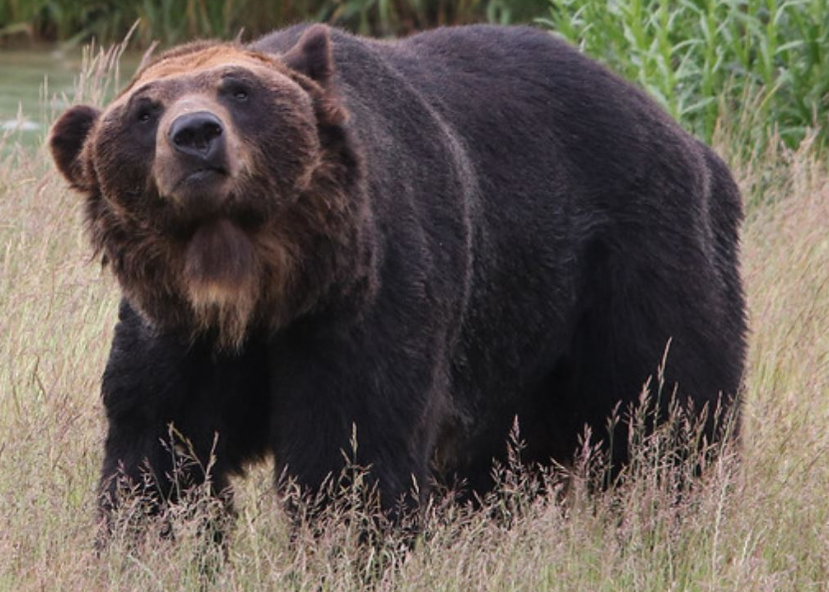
[{"x": 419, "y": 239}]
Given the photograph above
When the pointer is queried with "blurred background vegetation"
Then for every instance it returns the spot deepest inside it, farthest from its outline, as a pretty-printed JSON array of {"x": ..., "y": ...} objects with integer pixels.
[
  {"x": 173, "y": 21},
  {"x": 761, "y": 63},
  {"x": 765, "y": 62}
]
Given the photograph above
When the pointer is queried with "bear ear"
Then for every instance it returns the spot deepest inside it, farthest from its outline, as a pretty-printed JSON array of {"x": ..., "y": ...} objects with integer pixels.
[
  {"x": 66, "y": 141},
  {"x": 312, "y": 55}
]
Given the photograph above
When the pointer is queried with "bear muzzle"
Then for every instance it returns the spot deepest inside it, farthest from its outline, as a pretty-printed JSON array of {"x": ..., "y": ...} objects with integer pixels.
[{"x": 194, "y": 165}]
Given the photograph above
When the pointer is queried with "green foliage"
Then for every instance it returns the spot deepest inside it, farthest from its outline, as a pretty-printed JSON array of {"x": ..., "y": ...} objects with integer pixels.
[
  {"x": 173, "y": 21},
  {"x": 704, "y": 58}
]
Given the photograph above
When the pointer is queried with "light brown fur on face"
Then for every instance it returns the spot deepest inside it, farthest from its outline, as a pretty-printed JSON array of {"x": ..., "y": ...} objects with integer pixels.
[
  {"x": 225, "y": 268},
  {"x": 165, "y": 168},
  {"x": 223, "y": 247},
  {"x": 211, "y": 57}
]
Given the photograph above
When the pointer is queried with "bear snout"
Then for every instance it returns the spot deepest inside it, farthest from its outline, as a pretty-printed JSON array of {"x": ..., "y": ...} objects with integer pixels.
[
  {"x": 195, "y": 165},
  {"x": 197, "y": 134},
  {"x": 198, "y": 152}
]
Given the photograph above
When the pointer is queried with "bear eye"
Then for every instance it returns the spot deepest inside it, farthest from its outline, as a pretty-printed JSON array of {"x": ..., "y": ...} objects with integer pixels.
[
  {"x": 146, "y": 113},
  {"x": 234, "y": 89}
]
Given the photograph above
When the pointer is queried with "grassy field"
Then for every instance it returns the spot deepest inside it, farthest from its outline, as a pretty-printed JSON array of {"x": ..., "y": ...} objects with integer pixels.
[{"x": 758, "y": 519}]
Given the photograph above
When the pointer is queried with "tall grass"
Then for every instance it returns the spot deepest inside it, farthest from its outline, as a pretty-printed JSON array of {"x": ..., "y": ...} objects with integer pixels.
[
  {"x": 701, "y": 58},
  {"x": 757, "y": 523}
]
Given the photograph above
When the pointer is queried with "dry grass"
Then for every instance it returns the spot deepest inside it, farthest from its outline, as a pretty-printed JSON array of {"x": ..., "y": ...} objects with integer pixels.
[{"x": 758, "y": 524}]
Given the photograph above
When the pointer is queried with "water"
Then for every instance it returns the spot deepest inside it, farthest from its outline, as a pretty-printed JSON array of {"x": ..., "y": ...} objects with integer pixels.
[{"x": 24, "y": 76}]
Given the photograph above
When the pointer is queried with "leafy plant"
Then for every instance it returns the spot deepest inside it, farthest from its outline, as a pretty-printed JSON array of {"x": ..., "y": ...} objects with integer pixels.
[{"x": 701, "y": 58}]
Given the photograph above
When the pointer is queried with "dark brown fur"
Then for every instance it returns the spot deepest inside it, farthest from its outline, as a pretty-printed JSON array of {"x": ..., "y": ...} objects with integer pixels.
[{"x": 421, "y": 240}]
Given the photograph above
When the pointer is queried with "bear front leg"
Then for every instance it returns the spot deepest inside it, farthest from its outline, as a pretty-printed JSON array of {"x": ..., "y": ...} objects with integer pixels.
[
  {"x": 344, "y": 399},
  {"x": 180, "y": 419}
]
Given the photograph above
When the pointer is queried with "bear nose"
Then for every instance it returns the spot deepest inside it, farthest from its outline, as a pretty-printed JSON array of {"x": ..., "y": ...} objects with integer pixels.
[{"x": 196, "y": 134}]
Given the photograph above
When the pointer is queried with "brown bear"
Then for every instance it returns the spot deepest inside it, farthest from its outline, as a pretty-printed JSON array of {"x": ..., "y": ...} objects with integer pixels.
[{"x": 419, "y": 239}]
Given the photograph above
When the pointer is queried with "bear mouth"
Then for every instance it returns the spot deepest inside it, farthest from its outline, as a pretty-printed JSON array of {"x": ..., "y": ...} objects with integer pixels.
[
  {"x": 203, "y": 176},
  {"x": 202, "y": 193}
]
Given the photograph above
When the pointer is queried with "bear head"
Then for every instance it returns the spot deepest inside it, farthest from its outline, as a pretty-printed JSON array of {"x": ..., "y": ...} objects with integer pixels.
[{"x": 220, "y": 185}]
